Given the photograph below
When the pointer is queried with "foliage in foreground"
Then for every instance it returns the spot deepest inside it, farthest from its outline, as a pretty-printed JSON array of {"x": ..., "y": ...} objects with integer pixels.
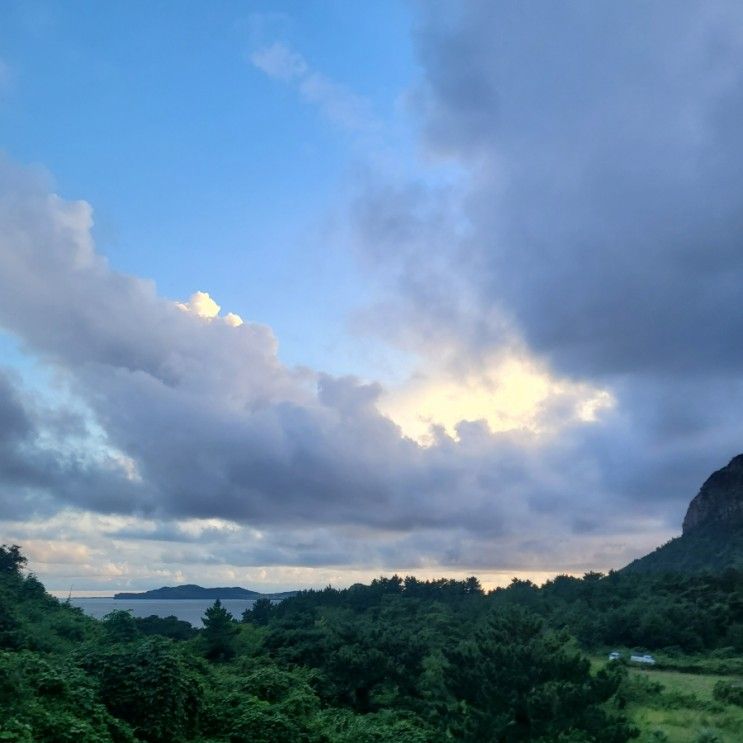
[{"x": 399, "y": 660}]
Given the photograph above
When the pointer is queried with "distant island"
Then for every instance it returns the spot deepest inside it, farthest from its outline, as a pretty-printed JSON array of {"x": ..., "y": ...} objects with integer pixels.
[{"x": 191, "y": 591}]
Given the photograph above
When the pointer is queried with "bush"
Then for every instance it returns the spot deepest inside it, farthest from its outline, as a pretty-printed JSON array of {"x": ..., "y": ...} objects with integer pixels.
[
  {"x": 728, "y": 692},
  {"x": 43, "y": 701},
  {"x": 149, "y": 685}
]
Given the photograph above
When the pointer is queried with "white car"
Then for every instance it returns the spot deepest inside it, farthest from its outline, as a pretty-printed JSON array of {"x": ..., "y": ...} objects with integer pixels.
[
  {"x": 616, "y": 655},
  {"x": 647, "y": 659}
]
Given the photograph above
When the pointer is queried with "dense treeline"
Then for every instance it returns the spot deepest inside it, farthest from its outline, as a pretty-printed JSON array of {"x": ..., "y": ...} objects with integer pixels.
[
  {"x": 401, "y": 660},
  {"x": 655, "y": 611},
  {"x": 712, "y": 547}
]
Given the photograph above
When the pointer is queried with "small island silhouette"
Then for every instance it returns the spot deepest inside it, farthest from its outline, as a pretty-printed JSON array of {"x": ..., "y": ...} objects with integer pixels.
[{"x": 192, "y": 591}]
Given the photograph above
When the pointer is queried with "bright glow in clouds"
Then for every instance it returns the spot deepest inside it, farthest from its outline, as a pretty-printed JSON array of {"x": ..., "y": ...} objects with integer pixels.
[
  {"x": 202, "y": 305},
  {"x": 202, "y": 458},
  {"x": 570, "y": 294},
  {"x": 128, "y": 466},
  {"x": 509, "y": 394}
]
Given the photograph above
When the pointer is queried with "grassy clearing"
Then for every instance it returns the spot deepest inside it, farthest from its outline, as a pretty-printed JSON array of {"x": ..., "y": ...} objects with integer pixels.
[
  {"x": 679, "y": 707},
  {"x": 700, "y": 685},
  {"x": 687, "y": 725}
]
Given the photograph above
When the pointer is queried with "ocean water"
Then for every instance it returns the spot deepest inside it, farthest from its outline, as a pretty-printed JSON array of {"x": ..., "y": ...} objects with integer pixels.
[{"x": 190, "y": 610}]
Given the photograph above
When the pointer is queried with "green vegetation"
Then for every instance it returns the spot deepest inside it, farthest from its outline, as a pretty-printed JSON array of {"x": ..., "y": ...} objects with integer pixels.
[
  {"x": 680, "y": 707},
  {"x": 681, "y": 613},
  {"x": 398, "y": 660},
  {"x": 708, "y": 548}
]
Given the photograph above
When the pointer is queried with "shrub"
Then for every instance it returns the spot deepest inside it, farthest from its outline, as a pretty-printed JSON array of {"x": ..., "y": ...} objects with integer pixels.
[{"x": 729, "y": 692}]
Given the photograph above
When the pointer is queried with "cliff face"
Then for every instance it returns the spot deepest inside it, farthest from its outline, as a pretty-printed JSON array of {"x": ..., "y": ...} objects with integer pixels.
[
  {"x": 713, "y": 530},
  {"x": 720, "y": 500}
]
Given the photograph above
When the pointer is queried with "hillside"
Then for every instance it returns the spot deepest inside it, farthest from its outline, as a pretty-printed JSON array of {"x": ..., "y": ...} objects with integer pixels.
[
  {"x": 191, "y": 591},
  {"x": 712, "y": 537},
  {"x": 710, "y": 548}
]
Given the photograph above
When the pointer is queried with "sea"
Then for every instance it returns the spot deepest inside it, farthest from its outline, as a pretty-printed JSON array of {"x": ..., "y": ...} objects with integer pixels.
[{"x": 190, "y": 610}]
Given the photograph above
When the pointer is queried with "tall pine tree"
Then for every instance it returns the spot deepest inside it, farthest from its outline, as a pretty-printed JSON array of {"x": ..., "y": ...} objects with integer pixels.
[{"x": 220, "y": 630}]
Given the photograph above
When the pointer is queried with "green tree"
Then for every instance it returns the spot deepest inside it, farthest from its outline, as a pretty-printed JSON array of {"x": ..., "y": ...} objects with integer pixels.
[
  {"x": 260, "y": 613},
  {"x": 514, "y": 680},
  {"x": 220, "y": 630},
  {"x": 50, "y": 701},
  {"x": 120, "y": 626},
  {"x": 261, "y": 722},
  {"x": 150, "y": 685},
  {"x": 342, "y": 726},
  {"x": 11, "y": 559}
]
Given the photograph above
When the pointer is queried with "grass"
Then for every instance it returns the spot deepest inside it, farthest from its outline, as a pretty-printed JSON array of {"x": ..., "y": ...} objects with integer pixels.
[
  {"x": 687, "y": 725},
  {"x": 700, "y": 685},
  {"x": 678, "y": 707}
]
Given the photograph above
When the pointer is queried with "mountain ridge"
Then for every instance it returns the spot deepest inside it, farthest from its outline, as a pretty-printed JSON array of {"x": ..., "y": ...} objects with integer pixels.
[{"x": 712, "y": 532}]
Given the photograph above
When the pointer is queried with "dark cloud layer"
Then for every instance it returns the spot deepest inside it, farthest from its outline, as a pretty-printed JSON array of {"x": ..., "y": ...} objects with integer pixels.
[
  {"x": 599, "y": 226},
  {"x": 598, "y": 230},
  {"x": 41, "y": 466},
  {"x": 17, "y": 430},
  {"x": 607, "y": 174}
]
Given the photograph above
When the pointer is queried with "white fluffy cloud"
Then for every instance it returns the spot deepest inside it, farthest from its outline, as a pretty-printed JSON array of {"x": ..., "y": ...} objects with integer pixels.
[
  {"x": 202, "y": 305},
  {"x": 199, "y": 419}
]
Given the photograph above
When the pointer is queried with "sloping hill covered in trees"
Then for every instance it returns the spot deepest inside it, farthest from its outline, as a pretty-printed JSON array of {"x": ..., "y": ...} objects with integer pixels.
[
  {"x": 712, "y": 537},
  {"x": 398, "y": 660},
  {"x": 708, "y": 548}
]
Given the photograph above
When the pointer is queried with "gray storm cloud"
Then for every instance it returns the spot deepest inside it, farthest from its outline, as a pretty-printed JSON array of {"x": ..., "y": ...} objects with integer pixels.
[
  {"x": 209, "y": 419},
  {"x": 598, "y": 228},
  {"x": 606, "y": 173},
  {"x": 202, "y": 420},
  {"x": 599, "y": 223}
]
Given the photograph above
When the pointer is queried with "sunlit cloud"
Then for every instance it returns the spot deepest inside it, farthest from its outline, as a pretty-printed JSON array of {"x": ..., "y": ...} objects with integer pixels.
[
  {"x": 202, "y": 305},
  {"x": 510, "y": 394},
  {"x": 598, "y": 237}
]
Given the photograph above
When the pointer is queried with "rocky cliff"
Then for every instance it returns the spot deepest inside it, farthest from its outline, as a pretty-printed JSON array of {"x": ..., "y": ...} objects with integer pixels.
[
  {"x": 720, "y": 500},
  {"x": 712, "y": 538}
]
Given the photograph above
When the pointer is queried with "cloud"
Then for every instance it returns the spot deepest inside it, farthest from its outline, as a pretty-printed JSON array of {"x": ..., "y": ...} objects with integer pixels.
[
  {"x": 605, "y": 175},
  {"x": 336, "y": 102},
  {"x": 593, "y": 230},
  {"x": 278, "y": 61},
  {"x": 45, "y": 458},
  {"x": 589, "y": 256},
  {"x": 202, "y": 305},
  {"x": 76, "y": 550},
  {"x": 197, "y": 419},
  {"x": 506, "y": 394}
]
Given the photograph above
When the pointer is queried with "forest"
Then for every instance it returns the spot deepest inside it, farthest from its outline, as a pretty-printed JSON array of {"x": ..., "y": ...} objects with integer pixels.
[{"x": 398, "y": 660}]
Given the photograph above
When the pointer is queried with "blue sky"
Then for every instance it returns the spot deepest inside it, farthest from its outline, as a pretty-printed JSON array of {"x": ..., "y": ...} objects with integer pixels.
[
  {"x": 439, "y": 288},
  {"x": 204, "y": 173}
]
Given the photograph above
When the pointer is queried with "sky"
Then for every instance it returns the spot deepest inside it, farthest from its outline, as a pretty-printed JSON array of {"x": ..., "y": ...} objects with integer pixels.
[{"x": 296, "y": 294}]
